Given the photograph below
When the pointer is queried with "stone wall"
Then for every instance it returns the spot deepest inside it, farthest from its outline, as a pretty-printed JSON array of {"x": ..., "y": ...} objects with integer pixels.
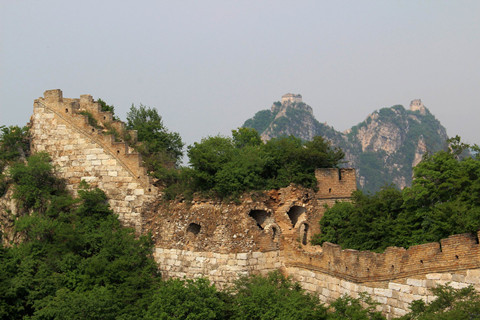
[
  {"x": 260, "y": 233},
  {"x": 81, "y": 151},
  {"x": 221, "y": 268},
  {"x": 238, "y": 239},
  {"x": 394, "y": 295}
]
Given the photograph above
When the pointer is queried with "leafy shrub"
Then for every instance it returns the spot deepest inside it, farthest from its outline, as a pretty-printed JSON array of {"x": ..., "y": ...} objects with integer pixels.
[{"x": 91, "y": 119}]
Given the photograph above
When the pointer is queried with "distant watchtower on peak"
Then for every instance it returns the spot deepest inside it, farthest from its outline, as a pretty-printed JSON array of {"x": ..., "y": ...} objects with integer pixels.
[
  {"x": 417, "y": 105},
  {"x": 291, "y": 98}
]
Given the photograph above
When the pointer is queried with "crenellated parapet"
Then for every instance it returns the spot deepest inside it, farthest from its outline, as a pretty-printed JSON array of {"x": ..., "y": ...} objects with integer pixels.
[
  {"x": 86, "y": 144},
  {"x": 457, "y": 252}
]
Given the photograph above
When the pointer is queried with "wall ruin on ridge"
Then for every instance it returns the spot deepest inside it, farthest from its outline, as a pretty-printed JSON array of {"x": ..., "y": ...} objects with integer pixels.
[{"x": 264, "y": 231}]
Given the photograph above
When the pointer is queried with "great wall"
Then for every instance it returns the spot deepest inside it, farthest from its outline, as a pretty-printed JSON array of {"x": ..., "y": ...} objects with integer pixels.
[{"x": 266, "y": 231}]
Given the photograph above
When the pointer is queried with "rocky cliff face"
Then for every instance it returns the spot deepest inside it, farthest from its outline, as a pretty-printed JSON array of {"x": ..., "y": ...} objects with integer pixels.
[{"x": 384, "y": 147}]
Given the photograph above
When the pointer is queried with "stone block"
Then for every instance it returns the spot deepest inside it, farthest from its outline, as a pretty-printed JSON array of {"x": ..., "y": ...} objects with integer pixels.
[
  {"x": 394, "y": 286},
  {"x": 458, "y": 285},
  {"x": 139, "y": 192},
  {"x": 382, "y": 292},
  {"x": 257, "y": 255},
  {"x": 242, "y": 256},
  {"x": 309, "y": 287},
  {"x": 399, "y": 312},
  {"x": 416, "y": 282},
  {"x": 381, "y": 299},
  {"x": 472, "y": 277},
  {"x": 433, "y": 276}
]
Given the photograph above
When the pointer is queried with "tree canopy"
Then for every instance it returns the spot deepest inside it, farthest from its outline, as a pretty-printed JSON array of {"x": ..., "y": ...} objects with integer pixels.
[
  {"x": 161, "y": 149},
  {"x": 444, "y": 199},
  {"x": 230, "y": 166}
]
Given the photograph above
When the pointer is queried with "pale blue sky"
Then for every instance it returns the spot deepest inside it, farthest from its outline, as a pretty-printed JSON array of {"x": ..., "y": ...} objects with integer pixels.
[{"x": 207, "y": 66}]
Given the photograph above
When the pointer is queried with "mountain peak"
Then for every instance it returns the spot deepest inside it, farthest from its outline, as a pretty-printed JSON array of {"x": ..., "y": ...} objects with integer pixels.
[{"x": 384, "y": 147}]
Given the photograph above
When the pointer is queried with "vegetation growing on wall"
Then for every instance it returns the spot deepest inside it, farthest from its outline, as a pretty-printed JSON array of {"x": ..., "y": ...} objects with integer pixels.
[
  {"x": 444, "y": 200},
  {"x": 161, "y": 149},
  {"x": 105, "y": 107},
  {"x": 230, "y": 166}
]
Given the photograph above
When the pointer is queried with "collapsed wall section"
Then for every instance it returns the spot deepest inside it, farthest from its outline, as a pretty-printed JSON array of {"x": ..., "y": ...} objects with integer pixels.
[
  {"x": 81, "y": 151},
  {"x": 270, "y": 232}
]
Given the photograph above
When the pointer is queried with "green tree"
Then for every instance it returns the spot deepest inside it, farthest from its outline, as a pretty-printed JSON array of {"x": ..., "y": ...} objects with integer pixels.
[
  {"x": 188, "y": 299},
  {"x": 243, "y": 172},
  {"x": 243, "y": 137},
  {"x": 155, "y": 137},
  {"x": 274, "y": 297},
  {"x": 208, "y": 157},
  {"x": 368, "y": 223},
  {"x": 35, "y": 184},
  {"x": 444, "y": 199},
  {"x": 76, "y": 261},
  {"x": 230, "y": 166},
  {"x": 362, "y": 308},
  {"x": 14, "y": 144}
]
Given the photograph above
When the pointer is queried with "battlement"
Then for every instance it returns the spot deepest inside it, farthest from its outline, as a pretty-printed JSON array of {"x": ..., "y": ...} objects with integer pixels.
[
  {"x": 86, "y": 144},
  {"x": 71, "y": 110},
  {"x": 291, "y": 98},
  {"x": 457, "y": 252}
]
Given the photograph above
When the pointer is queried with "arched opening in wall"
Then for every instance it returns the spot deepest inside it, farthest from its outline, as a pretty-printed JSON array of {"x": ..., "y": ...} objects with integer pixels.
[
  {"x": 295, "y": 213},
  {"x": 260, "y": 217},
  {"x": 304, "y": 233},
  {"x": 274, "y": 232},
  {"x": 104, "y": 118},
  {"x": 66, "y": 110},
  {"x": 194, "y": 228}
]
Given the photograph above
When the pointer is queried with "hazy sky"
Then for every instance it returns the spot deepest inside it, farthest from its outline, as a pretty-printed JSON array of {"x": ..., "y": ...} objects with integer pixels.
[{"x": 207, "y": 66}]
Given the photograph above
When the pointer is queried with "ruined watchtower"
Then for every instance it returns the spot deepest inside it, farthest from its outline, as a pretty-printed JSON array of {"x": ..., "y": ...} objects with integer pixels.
[
  {"x": 417, "y": 105},
  {"x": 291, "y": 98}
]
